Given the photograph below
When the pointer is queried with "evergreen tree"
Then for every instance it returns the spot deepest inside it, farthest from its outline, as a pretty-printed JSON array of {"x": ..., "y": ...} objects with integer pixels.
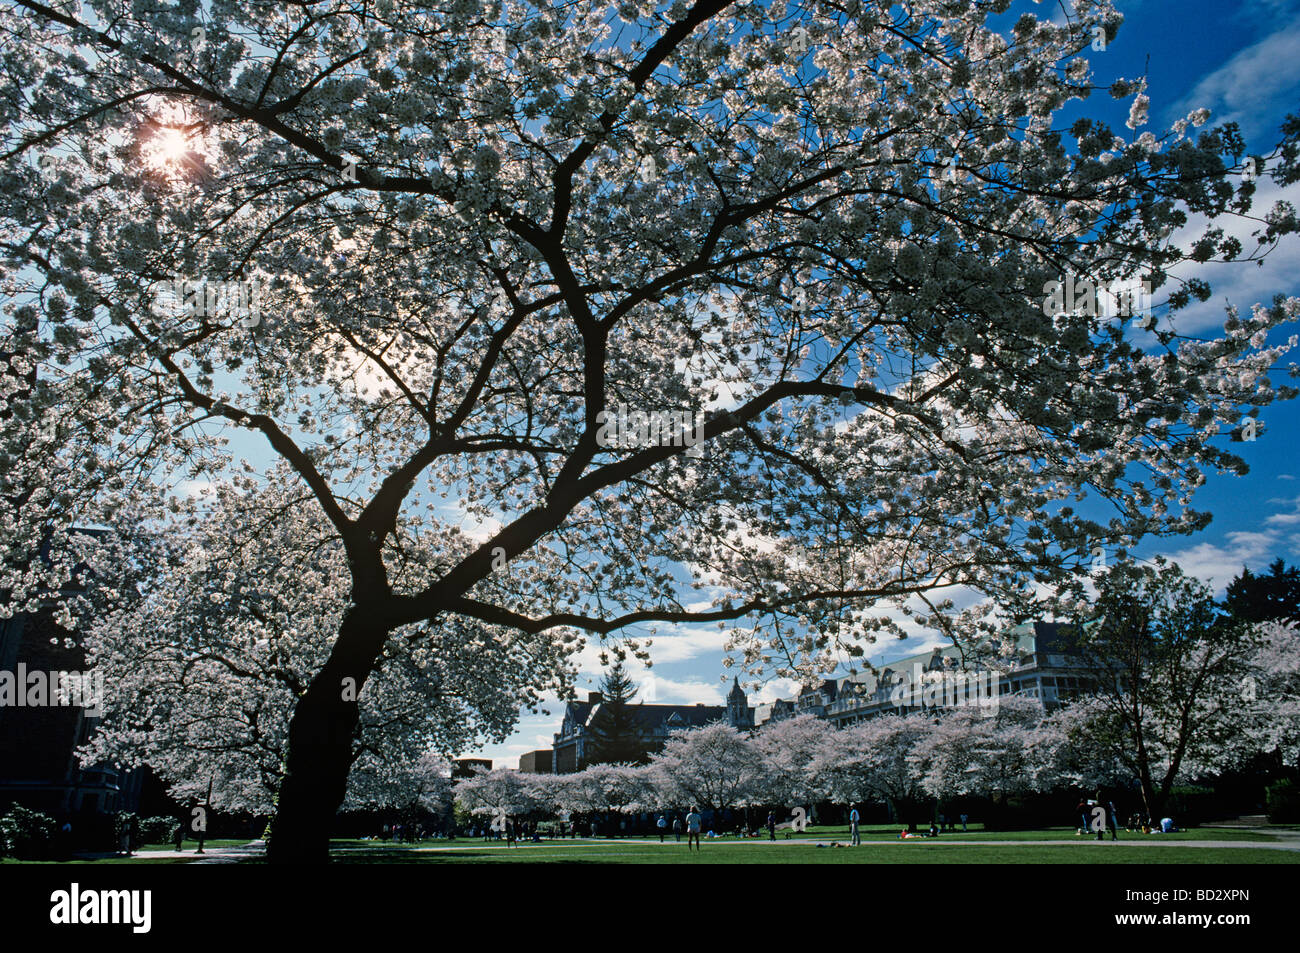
[
  {"x": 614, "y": 729},
  {"x": 1274, "y": 595}
]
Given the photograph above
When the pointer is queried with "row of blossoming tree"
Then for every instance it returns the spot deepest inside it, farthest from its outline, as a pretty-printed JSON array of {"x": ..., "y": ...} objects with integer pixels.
[{"x": 912, "y": 759}]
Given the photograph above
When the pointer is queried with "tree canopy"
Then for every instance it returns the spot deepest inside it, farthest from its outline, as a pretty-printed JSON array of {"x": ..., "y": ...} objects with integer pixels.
[
  {"x": 1267, "y": 596},
  {"x": 422, "y": 255}
]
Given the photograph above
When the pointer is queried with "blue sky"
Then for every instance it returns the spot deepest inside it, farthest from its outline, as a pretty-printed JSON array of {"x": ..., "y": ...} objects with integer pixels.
[{"x": 1241, "y": 60}]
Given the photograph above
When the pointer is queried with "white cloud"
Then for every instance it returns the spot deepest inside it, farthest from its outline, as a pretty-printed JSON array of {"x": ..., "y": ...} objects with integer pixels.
[
  {"x": 686, "y": 643},
  {"x": 769, "y": 692},
  {"x": 1286, "y": 519},
  {"x": 1240, "y": 283},
  {"x": 1247, "y": 88},
  {"x": 668, "y": 691},
  {"x": 1217, "y": 565},
  {"x": 193, "y": 488}
]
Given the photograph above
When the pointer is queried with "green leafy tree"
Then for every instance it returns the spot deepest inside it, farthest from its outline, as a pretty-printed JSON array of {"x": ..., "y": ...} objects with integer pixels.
[{"x": 614, "y": 728}]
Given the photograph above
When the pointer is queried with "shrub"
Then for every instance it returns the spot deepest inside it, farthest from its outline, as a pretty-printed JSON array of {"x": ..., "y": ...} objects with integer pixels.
[
  {"x": 1191, "y": 804},
  {"x": 122, "y": 824},
  {"x": 1283, "y": 799},
  {"x": 26, "y": 835},
  {"x": 159, "y": 830}
]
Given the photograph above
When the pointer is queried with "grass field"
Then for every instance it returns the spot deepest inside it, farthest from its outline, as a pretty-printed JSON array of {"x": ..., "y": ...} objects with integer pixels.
[
  {"x": 141, "y": 854},
  {"x": 977, "y": 832},
  {"x": 103, "y": 860},
  {"x": 817, "y": 845},
  {"x": 910, "y": 852}
]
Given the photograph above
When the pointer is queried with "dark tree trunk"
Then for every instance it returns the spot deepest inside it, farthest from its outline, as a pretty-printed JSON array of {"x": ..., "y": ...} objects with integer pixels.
[{"x": 320, "y": 745}]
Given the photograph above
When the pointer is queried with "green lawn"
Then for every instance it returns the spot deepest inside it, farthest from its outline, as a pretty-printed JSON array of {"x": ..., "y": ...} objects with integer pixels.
[
  {"x": 880, "y": 846},
  {"x": 191, "y": 845},
  {"x": 106, "y": 860},
  {"x": 911, "y": 852},
  {"x": 878, "y": 832},
  {"x": 142, "y": 854}
]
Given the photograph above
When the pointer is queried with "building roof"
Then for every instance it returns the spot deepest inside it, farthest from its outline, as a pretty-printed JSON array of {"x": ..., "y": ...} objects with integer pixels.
[
  {"x": 656, "y": 718},
  {"x": 651, "y": 718},
  {"x": 1029, "y": 637}
]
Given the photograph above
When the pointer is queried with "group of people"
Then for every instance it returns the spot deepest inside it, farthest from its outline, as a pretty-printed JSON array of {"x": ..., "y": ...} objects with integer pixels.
[
  {"x": 693, "y": 823},
  {"x": 511, "y": 832},
  {"x": 1101, "y": 816},
  {"x": 1139, "y": 823},
  {"x": 1098, "y": 816},
  {"x": 402, "y": 832}
]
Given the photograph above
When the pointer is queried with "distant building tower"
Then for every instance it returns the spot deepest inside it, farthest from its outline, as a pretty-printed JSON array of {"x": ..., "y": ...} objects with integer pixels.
[{"x": 739, "y": 714}]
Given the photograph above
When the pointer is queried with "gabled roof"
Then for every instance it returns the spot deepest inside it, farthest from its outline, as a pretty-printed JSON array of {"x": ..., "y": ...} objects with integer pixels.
[
  {"x": 651, "y": 718},
  {"x": 580, "y": 712}
]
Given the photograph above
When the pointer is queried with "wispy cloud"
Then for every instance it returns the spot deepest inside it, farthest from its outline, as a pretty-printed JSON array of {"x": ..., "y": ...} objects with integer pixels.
[
  {"x": 1248, "y": 87},
  {"x": 1218, "y": 564},
  {"x": 1285, "y": 519},
  {"x": 684, "y": 643},
  {"x": 1240, "y": 283}
]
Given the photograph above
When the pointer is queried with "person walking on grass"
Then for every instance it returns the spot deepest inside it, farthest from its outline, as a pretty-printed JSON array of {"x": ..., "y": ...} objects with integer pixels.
[
  {"x": 771, "y": 825},
  {"x": 662, "y": 824},
  {"x": 677, "y": 828},
  {"x": 693, "y": 822},
  {"x": 853, "y": 826},
  {"x": 1114, "y": 820}
]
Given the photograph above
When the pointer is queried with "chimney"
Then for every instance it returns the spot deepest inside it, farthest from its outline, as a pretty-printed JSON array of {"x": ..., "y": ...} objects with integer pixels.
[{"x": 593, "y": 698}]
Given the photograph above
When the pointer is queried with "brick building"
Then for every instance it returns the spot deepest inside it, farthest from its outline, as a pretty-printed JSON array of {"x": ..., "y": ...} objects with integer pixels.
[{"x": 654, "y": 722}]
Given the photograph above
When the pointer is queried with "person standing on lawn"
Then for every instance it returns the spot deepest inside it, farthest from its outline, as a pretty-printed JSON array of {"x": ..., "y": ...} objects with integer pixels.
[{"x": 693, "y": 822}]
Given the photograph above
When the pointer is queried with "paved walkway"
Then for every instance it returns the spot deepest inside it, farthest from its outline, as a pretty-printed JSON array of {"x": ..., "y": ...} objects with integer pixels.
[{"x": 212, "y": 855}]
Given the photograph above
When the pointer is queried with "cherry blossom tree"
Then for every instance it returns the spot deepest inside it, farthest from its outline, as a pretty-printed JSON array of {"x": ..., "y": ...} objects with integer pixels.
[
  {"x": 427, "y": 252},
  {"x": 621, "y": 787},
  {"x": 994, "y": 751},
  {"x": 502, "y": 793},
  {"x": 1169, "y": 671},
  {"x": 1270, "y": 694},
  {"x": 787, "y": 749},
  {"x": 1085, "y": 756},
  {"x": 873, "y": 760},
  {"x": 422, "y": 781},
  {"x": 711, "y": 767},
  {"x": 232, "y": 620}
]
